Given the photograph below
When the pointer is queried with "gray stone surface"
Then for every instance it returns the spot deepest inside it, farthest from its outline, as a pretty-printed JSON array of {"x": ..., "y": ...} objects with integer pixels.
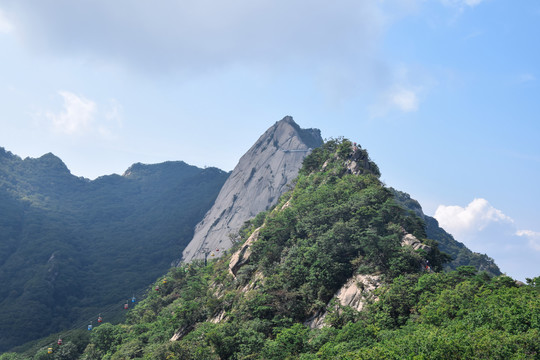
[
  {"x": 255, "y": 184},
  {"x": 241, "y": 257},
  {"x": 412, "y": 241},
  {"x": 356, "y": 292}
]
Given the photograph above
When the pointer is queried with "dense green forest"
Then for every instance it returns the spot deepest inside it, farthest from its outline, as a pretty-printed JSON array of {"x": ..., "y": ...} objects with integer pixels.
[
  {"x": 338, "y": 222},
  {"x": 460, "y": 314},
  {"x": 71, "y": 248}
]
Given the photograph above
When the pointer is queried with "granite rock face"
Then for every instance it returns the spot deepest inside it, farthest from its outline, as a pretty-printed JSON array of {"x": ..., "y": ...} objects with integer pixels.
[
  {"x": 256, "y": 183},
  {"x": 356, "y": 293},
  {"x": 243, "y": 254},
  {"x": 412, "y": 241}
]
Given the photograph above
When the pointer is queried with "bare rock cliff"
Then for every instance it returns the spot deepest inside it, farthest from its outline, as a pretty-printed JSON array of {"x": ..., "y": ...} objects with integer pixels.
[{"x": 254, "y": 185}]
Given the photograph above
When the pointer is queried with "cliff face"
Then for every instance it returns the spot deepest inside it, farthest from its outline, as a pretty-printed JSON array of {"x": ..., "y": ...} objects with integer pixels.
[{"x": 255, "y": 184}]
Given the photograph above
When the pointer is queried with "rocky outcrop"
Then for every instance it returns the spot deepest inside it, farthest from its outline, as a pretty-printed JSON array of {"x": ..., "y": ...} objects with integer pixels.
[
  {"x": 356, "y": 292},
  {"x": 359, "y": 162},
  {"x": 181, "y": 333},
  {"x": 412, "y": 241},
  {"x": 241, "y": 257},
  {"x": 216, "y": 318},
  {"x": 255, "y": 184}
]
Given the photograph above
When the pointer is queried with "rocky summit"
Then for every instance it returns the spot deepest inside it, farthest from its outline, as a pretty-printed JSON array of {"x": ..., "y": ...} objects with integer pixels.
[{"x": 258, "y": 180}]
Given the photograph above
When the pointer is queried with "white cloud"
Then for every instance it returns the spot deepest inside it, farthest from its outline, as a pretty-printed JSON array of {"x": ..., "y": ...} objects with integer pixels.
[
  {"x": 83, "y": 117},
  {"x": 485, "y": 229},
  {"x": 113, "y": 119},
  {"x": 335, "y": 46},
  {"x": 473, "y": 218},
  {"x": 407, "y": 88},
  {"x": 472, "y": 2},
  {"x": 532, "y": 236},
  {"x": 461, "y": 3},
  {"x": 205, "y": 34},
  {"x": 76, "y": 116},
  {"x": 526, "y": 77},
  {"x": 404, "y": 99},
  {"x": 5, "y": 24},
  {"x": 115, "y": 112},
  {"x": 396, "y": 98}
]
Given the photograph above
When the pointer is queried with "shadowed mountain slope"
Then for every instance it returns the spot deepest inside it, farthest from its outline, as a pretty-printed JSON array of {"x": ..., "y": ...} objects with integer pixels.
[{"x": 71, "y": 247}]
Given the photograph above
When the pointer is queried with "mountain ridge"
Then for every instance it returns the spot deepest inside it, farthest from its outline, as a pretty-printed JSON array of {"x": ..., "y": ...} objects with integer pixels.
[
  {"x": 337, "y": 269},
  {"x": 70, "y": 246}
]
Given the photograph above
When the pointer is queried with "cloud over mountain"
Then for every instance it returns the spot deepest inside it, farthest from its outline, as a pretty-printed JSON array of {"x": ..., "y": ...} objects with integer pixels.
[
  {"x": 76, "y": 116},
  {"x": 201, "y": 34},
  {"x": 486, "y": 229},
  {"x": 475, "y": 217},
  {"x": 82, "y": 116}
]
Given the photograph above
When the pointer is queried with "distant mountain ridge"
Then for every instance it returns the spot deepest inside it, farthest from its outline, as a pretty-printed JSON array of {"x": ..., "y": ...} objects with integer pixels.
[
  {"x": 256, "y": 183},
  {"x": 70, "y": 247},
  {"x": 461, "y": 255}
]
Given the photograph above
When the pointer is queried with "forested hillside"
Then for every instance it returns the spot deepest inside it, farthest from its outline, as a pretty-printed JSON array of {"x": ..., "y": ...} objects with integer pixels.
[
  {"x": 260, "y": 301},
  {"x": 71, "y": 248}
]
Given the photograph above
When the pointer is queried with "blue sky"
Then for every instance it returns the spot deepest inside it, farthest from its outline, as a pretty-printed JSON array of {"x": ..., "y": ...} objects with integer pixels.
[{"x": 444, "y": 94}]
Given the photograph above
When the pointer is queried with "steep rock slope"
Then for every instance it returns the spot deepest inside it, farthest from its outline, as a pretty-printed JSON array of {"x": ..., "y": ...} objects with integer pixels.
[
  {"x": 71, "y": 247},
  {"x": 255, "y": 184}
]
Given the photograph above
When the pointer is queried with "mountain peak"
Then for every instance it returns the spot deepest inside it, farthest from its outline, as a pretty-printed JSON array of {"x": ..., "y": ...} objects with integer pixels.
[
  {"x": 256, "y": 183},
  {"x": 310, "y": 137},
  {"x": 7, "y": 154},
  {"x": 48, "y": 162},
  {"x": 288, "y": 119}
]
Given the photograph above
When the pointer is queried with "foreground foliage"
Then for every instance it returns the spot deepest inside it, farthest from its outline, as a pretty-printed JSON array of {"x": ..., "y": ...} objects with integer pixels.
[{"x": 456, "y": 315}]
